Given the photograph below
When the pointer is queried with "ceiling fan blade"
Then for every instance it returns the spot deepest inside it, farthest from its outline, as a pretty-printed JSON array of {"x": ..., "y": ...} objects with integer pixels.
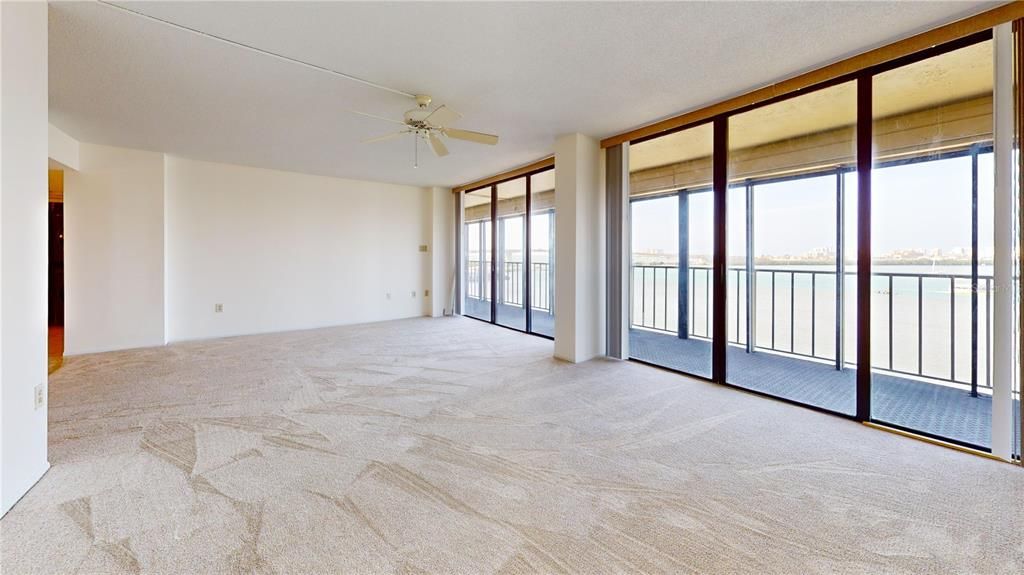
[
  {"x": 377, "y": 117},
  {"x": 470, "y": 136},
  {"x": 386, "y": 137},
  {"x": 440, "y": 150},
  {"x": 442, "y": 116}
]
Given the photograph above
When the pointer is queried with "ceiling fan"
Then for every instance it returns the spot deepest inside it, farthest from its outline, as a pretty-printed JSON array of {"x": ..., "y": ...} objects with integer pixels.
[{"x": 431, "y": 126}]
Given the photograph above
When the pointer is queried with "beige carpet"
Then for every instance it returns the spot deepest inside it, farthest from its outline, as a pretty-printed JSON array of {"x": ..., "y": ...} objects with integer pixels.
[{"x": 450, "y": 446}]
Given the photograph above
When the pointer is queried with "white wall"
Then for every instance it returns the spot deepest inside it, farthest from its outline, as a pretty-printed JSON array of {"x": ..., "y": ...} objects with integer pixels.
[
  {"x": 63, "y": 148},
  {"x": 23, "y": 237},
  {"x": 443, "y": 250},
  {"x": 113, "y": 250},
  {"x": 285, "y": 251}
]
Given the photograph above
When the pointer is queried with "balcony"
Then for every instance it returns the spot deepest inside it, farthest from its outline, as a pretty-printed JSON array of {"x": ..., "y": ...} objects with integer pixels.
[
  {"x": 509, "y": 308},
  {"x": 934, "y": 377},
  {"x": 934, "y": 374}
]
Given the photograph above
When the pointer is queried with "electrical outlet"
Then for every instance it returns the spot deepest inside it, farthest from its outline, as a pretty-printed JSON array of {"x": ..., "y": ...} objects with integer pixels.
[
  {"x": 218, "y": 307},
  {"x": 413, "y": 293},
  {"x": 424, "y": 248},
  {"x": 426, "y": 293},
  {"x": 40, "y": 395},
  {"x": 388, "y": 295}
]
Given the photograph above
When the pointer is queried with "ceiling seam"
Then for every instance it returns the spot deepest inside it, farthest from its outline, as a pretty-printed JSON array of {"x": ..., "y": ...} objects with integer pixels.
[{"x": 257, "y": 50}]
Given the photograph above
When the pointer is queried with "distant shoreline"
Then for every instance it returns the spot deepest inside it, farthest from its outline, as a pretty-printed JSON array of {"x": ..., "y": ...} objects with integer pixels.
[{"x": 733, "y": 262}]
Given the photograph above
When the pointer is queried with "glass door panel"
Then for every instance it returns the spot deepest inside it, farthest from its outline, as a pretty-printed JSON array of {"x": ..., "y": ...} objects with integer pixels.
[
  {"x": 672, "y": 243},
  {"x": 510, "y": 296},
  {"x": 542, "y": 253},
  {"x": 931, "y": 250},
  {"x": 791, "y": 265},
  {"x": 477, "y": 240}
]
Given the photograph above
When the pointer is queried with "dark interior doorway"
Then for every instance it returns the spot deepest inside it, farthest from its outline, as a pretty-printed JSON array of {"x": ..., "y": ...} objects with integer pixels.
[{"x": 55, "y": 268}]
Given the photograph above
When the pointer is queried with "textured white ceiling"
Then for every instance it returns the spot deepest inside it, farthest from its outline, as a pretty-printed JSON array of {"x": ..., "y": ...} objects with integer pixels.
[{"x": 526, "y": 71}]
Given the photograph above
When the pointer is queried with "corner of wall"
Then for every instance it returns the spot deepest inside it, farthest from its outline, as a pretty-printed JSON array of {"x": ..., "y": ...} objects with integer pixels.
[
  {"x": 167, "y": 159},
  {"x": 63, "y": 148}
]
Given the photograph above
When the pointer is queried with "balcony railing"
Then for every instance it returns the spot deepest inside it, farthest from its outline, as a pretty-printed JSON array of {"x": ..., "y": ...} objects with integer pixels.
[
  {"x": 479, "y": 287},
  {"x": 920, "y": 327}
]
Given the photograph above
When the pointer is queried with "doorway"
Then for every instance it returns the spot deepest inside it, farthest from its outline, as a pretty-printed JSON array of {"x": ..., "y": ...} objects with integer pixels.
[{"x": 55, "y": 272}]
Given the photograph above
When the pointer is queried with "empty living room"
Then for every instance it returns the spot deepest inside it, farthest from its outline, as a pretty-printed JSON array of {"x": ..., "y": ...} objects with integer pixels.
[{"x": 511, "y": 287}]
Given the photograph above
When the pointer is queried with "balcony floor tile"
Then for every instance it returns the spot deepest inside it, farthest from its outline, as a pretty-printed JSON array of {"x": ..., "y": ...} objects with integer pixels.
[{"x": 936, "y": 409}]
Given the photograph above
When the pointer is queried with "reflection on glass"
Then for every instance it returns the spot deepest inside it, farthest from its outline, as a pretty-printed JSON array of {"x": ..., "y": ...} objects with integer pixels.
[
  {"x": 477, "y": 240},
  {"x": 791, "y": 261},
  {"x": 672, "y": 218},
  {"x": 542, "y": 253},
  {"x": 930, "y": 281}
]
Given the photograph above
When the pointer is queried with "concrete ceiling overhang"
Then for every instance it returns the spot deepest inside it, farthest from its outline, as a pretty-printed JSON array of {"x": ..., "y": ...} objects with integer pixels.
[{"x": 525, "y": 71}]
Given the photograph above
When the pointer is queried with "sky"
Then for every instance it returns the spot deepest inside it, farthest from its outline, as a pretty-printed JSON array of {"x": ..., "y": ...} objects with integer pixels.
[{"x": 923, "y": 206}]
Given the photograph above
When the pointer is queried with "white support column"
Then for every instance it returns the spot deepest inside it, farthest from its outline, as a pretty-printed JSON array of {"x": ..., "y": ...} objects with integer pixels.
[
  {"x": 579, "y": 249},
  {"x": 1003, "y": 368}
]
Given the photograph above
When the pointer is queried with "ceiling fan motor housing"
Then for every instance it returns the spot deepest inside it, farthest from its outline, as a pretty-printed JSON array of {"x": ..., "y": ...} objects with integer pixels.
[{"x": 416, "y": 116}]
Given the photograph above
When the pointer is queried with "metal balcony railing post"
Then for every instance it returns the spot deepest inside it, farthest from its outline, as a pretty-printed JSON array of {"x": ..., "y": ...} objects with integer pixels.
[
  {"x": 643, "y": 295},
  {"x": 683, "y": 281},
  {"x": 988, "y": 332},
  {"x": 814, "y": 301},
  {"x": 707, "y": 302},
  {"x": 502, "y": 288},
  {"x": 840, "y": 332},
  {"x": 737, "y": 305},
  {"x": 773, "y": 309},
  {"x": 481, "y": 282},
  {"x": 952, "y": 329},
  {"x": 792, "y": 312},
  {"x": 891, "y": 330},
  {"x": 920, "y": 324}
]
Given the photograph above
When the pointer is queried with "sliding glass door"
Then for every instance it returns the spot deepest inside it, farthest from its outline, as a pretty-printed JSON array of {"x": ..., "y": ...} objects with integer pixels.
[
  {"x": 791, "y": 269},
  {"x": 508, "y": 235},
  {"x": 932, "y": 246},
  {"x": 511, "y": 254},
  {"x": 477, "y": 237},
  {"x": 542, "y": 253},
  {"x": 672, "y": 243}
]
